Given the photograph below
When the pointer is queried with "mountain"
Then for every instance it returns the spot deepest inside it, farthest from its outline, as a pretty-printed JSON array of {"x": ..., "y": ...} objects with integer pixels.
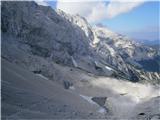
[
  {"x": 50, "y": 50},
  {"x": 64, "y": 39},
  {"x": 155, "y": 44},
  {"x": 149, "y": 42}
]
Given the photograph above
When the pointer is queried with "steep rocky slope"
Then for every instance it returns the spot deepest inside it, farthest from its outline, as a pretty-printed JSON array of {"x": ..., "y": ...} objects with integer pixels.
[
  {"x": 119, "y": 51},
  {"x": 41, "y": 46},
  {"x": 26, "y": 95},
  {"x": 70, "y": 40},
  {"x": 29, "y": 96}
]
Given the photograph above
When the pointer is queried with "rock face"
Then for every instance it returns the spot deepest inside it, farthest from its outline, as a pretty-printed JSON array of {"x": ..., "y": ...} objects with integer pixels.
[
  {"x": 51, "y": 59},
  {"x": 99, "y": 100},
  {"x": 29, "y": 96},
  {"x": 39, "y": 31},
  {"x": 44, "y": 31}
]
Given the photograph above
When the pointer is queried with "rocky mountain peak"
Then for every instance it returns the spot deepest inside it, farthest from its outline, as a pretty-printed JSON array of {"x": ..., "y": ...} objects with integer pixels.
[{"x": 70, "y": 40}]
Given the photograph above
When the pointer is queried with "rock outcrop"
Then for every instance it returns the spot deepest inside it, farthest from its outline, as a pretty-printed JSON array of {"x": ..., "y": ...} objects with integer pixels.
[{"x": 31, "y": 32}]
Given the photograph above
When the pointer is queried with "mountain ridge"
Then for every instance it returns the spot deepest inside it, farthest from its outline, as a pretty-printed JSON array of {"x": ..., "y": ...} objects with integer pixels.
[
  {"x": 77, "y": 41},
  {"x": 55, "y": 65}
]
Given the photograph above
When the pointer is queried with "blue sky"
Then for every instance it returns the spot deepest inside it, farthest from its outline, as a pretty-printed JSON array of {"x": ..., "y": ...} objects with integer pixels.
[
  {"x": 138, "y": 22},
  {"x": 142, "y": 20}
]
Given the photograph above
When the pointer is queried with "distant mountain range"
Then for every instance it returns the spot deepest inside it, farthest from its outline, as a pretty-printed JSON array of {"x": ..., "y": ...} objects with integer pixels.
[{"x": 149, "y": 42}]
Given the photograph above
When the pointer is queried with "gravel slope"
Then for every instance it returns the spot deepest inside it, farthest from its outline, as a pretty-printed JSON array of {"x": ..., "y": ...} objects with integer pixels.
[{"x": 26, "y": 95}]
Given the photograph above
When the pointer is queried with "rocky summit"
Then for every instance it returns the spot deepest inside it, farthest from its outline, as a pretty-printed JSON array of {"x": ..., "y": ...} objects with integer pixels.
[{"x": 58, "y": 66}]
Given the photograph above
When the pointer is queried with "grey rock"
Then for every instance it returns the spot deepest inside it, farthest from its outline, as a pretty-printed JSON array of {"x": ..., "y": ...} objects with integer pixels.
[{"x": 100, "y": 100}]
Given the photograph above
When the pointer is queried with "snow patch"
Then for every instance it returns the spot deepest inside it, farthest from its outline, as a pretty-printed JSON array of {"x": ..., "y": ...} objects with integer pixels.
[
  {"x": 74, "y": 62},
  {"x": 108, "y": 68},
  {"x": 72, "y": 87},
  {"x": 40, "y": 75},
  {"x": 101, "y": 110},
  {"x": 95, "y": 40},
  {"x": 96, "y": 63},
  {"x": 87, "y": 98}
]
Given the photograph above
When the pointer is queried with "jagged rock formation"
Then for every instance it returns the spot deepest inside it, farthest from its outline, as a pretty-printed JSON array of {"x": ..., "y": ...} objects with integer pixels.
[
  {"x": 49, "y": 45},
  {"x": 119, "y": 51},
  {"x": 71, "y": 41}
]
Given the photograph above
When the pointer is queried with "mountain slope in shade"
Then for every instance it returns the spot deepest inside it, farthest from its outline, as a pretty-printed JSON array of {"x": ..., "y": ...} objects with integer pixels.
[
  {"x": 26, "y": 95},
  {"x": 62, "y": 38},
  {"x": 115, "y": 49},
  {"x": 55, "y": 65},
  {"x": 29, "y": 96}
]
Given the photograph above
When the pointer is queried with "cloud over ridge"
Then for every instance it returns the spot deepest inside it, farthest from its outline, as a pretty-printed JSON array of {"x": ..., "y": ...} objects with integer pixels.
[
  {"x": 95, "y": 11},
  {"x": 117, "y": 8}
]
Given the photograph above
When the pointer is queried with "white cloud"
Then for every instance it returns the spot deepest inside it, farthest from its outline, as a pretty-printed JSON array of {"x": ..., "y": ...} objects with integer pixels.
[
  {"x": 95, "y": 11},
  {"x": 82, "y": 8},
  {"x": 99, "y": 12},
  {"x": 119, "y": 7}
]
